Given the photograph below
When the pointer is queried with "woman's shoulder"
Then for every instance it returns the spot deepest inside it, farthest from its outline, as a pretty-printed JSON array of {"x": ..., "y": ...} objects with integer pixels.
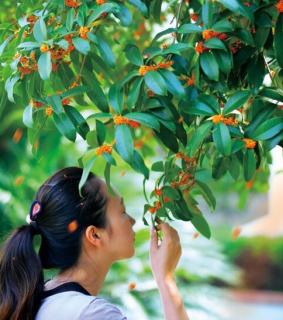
[
  {"x": 76, "y": 305},
  {"x": 100, "y": 308}
]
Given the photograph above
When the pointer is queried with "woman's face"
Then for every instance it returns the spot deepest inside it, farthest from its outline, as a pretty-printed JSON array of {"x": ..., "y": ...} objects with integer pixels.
[{"x": 120, "y": 231}]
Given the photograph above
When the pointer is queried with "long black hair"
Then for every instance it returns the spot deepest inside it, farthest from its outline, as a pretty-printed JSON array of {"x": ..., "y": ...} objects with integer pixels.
[{"x": 63, "y": 217}]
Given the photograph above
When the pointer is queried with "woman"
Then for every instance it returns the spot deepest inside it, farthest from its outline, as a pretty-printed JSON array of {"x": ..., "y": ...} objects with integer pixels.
[{"x": 82, "y": 237}]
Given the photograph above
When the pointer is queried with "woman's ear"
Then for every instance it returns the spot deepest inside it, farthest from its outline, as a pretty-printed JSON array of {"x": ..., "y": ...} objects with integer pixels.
[{"x": 93, "y": 236}]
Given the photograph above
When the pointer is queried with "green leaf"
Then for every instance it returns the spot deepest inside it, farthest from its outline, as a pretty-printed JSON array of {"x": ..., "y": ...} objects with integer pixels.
[
  {"x": 86, "y": 170},
  {"x": 65, "y": 126},
  {"x": 56, "y": 103},
  {"x": 207, "y": 194},
  {"x": 28, "y": 45},
  {"x": 116, "y": 97},
  {"x": 171, "y": 193},
  {"x": 201, "y": 225},
  {"x": 145, "y": 119},
  {"x": 9, "y": 87},
  {"x": 219, "y": 167},
  {"x": 5, "y": 43},
  {"x": 78, "y": 121},
  {"x": 40, "y": 31},
  {"x": 100, "y": 131},
  {"x": 209, "y": 65},
  {"x": 168, "y": 138},
  {"x": 211, "y": 101},
  {"x": 109, "y": 158},
  {"x": 95, "y": 92},
  {"x": 133, "y": 54},
  {"x": 27, "y": 116},
  {"x": 124, "y": 142},
  {"x": 274, "y": 94},
  {"x": 97, "y": 11},
  {"x": 70, "y": 19},
  {"x": 206, "y": 13},
  {"x": 173, "y": 83},
  {"x": 190, "y": 28},
  {"x": 224, "y": 60},
  {"x": 198, "y": 107},
  {"x": 177, "y": 48},
  {"x": 81, "y": 45},
  {"x": 249, "y": 164},
  {"x": 232, "y": 5},
  {"x": 140, "y": 5},
  {"x": 106, "y": 52},
  {"x": 234, "y": 167},
  {"x": 236, "y": 101},
  {"x": 45, "y": 65},
  {"x": 223, "y": 26},
  {"x": 155, "y": 82},
  {"x": 157, "y": 166},
  {"x": 215, "y": 43},
  {"x": 107, "y": 175},
  {"x": 134, "y": 92},
  {"x": 198, "y": 137},
  {"x": 268, "y": 129},
  {"x": 124, "y": 15},
  {"x": 139, "y": 165},
  {"x": 222, "y": 139},
  {"x": 278, "y": 43}
]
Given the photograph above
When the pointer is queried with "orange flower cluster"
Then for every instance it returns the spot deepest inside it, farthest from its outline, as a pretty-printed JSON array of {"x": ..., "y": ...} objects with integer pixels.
[
  {"x": 138, "y": 144},
  {"x": 140, "y": 31},
  {"x": 250, "y": 144},
  {"x": 27, "y": 65},
  {"x": 194, "y": 17},
  {"x": 17, "y": 136},
  {"x": 230, "y": 121},
  {"x": 209, "y": 33},
  {"x": 190, "y": 81},
  {"x": 44, "y": 48},
  {"x": 162, "y": 65},
  {"x": 118, "y": 120},
  {"x": 36, "y": 104},
  {"x": 32, "y": 19},
  {"x": 236, "y": 46},
  {"x": 83, "y": 31},
  {"x": 158, "y": 192},
  {"x": 100, "y": 2},
  {"x": 184, "y": 179},
  {"x": 188, "y": 160},
  {"x": 279, "y": 6},
  {"x": 200, "y": 47},
  {"x": 72, "y": 3},
  {"x": 157, "y": 205},
  {"x": 249, "y": 184},
  {"x": 107, "y": 148},
  {"x": 58, "y": 53},
  {"x": 49, "y": 111},
  {"x": 66, "y": 101}
]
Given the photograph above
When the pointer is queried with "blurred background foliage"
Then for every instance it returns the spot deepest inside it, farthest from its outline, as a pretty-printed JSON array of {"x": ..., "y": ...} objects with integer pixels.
[{"x": 207, "y": 268}]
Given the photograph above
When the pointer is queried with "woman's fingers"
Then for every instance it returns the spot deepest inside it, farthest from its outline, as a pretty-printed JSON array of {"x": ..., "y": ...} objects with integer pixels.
[{"x": 153, "y": 239}]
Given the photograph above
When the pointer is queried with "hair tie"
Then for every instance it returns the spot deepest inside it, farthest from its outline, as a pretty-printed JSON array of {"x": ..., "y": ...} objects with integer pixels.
[{"x": 35, "y": 210}]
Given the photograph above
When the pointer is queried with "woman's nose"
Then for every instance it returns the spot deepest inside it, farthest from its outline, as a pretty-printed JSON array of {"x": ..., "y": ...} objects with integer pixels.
[{"x": 133, "y": 221}]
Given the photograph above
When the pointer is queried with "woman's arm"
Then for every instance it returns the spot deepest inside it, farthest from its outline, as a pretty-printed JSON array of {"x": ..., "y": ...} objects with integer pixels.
[{"x": 164, "y": 259}]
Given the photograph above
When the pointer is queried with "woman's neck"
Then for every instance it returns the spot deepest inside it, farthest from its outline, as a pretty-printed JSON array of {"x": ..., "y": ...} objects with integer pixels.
[{"x": 89, "y": 274}]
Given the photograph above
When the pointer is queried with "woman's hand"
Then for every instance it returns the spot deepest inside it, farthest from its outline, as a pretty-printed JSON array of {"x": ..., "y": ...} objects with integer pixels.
[{"x": 165, "y": 256}]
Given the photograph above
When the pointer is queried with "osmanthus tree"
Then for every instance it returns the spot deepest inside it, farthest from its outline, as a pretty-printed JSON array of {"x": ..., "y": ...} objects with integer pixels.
[{"x": 195, "y": 88}]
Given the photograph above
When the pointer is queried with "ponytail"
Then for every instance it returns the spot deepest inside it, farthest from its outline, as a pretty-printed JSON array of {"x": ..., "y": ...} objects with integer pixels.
[{"x": 21, "y": 276}]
